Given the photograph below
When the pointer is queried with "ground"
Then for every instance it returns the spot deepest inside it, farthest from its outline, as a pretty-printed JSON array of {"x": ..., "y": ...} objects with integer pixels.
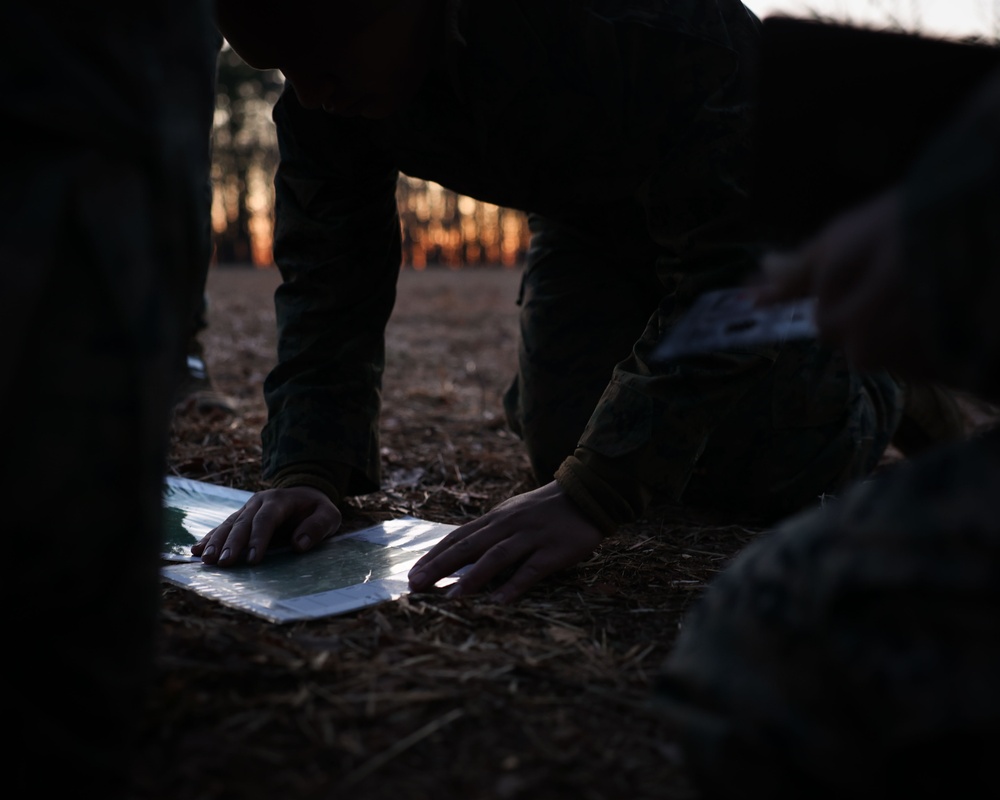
[{"x": 550, "y": 697}]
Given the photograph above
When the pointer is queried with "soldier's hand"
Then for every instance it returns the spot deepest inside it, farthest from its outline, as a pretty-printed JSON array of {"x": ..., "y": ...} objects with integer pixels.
[
  {"x": 299, "y": 516},
  {"x": 854, "y": 268},
  {"x": 529, "y": 536}
]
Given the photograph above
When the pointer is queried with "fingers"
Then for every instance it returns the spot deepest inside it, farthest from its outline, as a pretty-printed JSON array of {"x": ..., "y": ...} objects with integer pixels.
[
  {"x": 491, "y": 553},
  {"x": 552, "y": 556},
  {"x": 225, "y": 543},
  {"x": 323, "y": 522},
  {"x": 500, "y": 557},
  {"x": 527, "y": 575},
  {"x": 453, "y": 552},
  {"x": 246, "y": 535},
  {"x": 787, "y": 276},
  {"x": 525, "y": 539},
  {"x": 834, "y": 261}
]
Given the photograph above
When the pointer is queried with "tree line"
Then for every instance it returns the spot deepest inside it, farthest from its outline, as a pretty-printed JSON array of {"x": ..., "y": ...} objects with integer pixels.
[{"x": 439, "y": 227}]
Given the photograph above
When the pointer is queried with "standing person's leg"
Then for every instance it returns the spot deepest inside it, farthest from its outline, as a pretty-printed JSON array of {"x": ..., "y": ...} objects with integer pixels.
[
  {"x": 854, "y": 651},
  {"x": 197, "y": 391},
  {"x": 98, "y": 221}
]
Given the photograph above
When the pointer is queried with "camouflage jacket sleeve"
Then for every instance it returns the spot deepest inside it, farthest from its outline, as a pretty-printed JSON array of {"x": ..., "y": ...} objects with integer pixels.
[
  {"x": 337, "y": 244},
  {"x": 951, "y": 242},
  {"x": 650, "y": 426}
]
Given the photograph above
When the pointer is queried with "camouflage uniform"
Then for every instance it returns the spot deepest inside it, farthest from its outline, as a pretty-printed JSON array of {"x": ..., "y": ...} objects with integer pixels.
[
  {"x": 104, "y": 125},
  {"x": 854, "y": 651},
  {"x": 622, "y": 127}
]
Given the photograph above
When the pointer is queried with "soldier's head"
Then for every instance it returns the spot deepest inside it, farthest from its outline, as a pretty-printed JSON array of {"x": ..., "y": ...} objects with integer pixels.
[{"x": 349, "y": 57}]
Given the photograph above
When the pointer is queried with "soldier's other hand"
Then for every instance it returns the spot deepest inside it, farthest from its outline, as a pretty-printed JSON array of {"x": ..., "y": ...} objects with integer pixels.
[
  {"x": 854, "y": 268},
  {"x": 299, "y": 516},
  {"x": 787, "y": 275},
  {"x": 527, "y": 538}
]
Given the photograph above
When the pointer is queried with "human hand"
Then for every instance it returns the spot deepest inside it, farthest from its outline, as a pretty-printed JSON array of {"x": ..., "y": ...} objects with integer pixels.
[
  {"x": 855, "y": 269},
  {"x": 534, "y": 534},
  {"x": 302, "y": 515}
]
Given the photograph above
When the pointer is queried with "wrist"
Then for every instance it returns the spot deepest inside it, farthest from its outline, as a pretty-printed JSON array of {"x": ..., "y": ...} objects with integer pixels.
[
  {"x": 580, "y": 486},
  {"x": 313, "y": 476}
]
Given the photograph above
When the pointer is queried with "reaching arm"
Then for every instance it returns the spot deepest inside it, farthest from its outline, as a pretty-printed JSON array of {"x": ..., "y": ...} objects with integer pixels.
[{"x": 337, "y": 243}]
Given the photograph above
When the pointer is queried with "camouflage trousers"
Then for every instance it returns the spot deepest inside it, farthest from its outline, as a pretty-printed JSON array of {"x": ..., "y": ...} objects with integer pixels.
[
  {"x": 101, "y": 214},
  {"x": 792, "y": 423},
  {"x": 854, "y": 651}
]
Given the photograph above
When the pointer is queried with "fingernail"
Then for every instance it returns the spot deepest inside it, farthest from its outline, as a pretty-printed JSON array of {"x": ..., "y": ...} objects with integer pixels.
[
  {"x": 225, "y": 554},
  {"x": 209, "y": 551},
  {"x": 303, "y": 541},
  {"x": 455, "y": 591},
  {"x": 251, "y": 554},
  {"x": 417, "y": 578}
]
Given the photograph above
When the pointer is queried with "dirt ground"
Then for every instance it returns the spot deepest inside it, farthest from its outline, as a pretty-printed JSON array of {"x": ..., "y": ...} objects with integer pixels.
[{"x": 421, "y": 697}]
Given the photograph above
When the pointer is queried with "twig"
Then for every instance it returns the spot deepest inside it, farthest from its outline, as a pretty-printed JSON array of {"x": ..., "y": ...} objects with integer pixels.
[{"x": 401, "y": 746}]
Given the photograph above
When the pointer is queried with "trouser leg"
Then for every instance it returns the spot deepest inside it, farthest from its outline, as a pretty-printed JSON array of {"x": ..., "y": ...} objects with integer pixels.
[
  {"x": 203, "y": 258},
  {"x": 579, "y": 316}
]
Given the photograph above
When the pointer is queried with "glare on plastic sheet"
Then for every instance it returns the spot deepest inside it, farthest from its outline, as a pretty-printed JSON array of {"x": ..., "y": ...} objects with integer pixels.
[
  {"x": 343, "y": 574},
  {"x": 191, "y": 509}
]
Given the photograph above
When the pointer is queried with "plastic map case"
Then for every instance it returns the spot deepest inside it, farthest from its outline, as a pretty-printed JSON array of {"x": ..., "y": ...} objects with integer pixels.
[{"x": 345, "y": 573}]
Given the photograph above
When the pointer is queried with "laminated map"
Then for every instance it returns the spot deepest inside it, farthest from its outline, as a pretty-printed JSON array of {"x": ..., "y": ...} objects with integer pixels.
[{"x": 345, "y": 573}]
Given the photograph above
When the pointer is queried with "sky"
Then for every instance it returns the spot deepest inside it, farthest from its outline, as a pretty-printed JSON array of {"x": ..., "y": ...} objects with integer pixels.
[{"x": 950, "y": 18}]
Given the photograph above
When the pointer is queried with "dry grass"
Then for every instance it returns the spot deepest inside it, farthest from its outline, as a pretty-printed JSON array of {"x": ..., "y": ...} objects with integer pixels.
[{"x": 422, "y": 697}]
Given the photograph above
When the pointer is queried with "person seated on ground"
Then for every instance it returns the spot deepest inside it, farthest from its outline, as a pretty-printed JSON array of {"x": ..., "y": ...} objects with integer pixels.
[
  {"x": 854, "y": 651},
  {"x": 624, "y": 132}
]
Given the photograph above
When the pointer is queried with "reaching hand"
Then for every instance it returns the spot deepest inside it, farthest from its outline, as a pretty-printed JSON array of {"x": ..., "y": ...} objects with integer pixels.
[
  {"x": 302, "y": 515},
  {"x": 854, "y": 267},
  {"x": 533, "y": 534}
]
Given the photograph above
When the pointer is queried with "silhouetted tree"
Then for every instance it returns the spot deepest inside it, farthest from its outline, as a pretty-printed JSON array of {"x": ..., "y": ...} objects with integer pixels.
[{"x": 245, "y": 157}]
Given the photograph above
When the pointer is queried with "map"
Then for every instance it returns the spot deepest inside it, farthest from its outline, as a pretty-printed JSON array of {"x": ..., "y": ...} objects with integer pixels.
[{"x": 343, "y": 574}]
